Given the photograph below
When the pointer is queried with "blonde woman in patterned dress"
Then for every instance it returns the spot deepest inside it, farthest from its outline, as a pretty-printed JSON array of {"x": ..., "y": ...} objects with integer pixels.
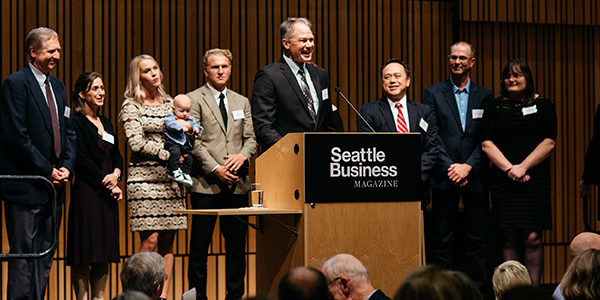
[{"x": 152, "y": 196}]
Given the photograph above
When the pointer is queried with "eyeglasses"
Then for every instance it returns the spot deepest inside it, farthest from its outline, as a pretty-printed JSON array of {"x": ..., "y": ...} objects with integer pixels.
[
  {"x": 459, "y": 58},
  {"x": 334, "y": 280}
]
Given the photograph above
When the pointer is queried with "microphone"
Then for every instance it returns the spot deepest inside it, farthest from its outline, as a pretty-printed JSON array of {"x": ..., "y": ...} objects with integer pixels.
[{"x": 337, "y": 90}]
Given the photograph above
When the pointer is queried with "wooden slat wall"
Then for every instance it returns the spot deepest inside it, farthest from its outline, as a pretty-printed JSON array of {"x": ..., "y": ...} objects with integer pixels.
[{"x": 560, "y": 39}]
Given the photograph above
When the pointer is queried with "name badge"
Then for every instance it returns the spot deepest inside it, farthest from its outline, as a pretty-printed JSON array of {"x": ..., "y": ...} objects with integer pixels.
[
  {"x": 423, "y": 124},
  {"x": 67, "y": 112},
  {"x": 325, "y": 94},
  {"x": 477, "y": 113},
  {"x": 108, "y": 138},
  {"x": 529, "y": 110},
  {"x": 238, "y": 114}
]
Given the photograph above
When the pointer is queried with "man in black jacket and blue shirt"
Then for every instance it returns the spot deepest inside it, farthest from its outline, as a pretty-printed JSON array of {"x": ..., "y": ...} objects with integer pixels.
[{"x": 459, "y": 172}]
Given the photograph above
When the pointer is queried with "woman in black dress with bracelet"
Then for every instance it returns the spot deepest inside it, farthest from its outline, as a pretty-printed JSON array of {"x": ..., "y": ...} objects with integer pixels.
[
  {"x": 519, "y": 133},
  {"x": 93, "y": 227}
]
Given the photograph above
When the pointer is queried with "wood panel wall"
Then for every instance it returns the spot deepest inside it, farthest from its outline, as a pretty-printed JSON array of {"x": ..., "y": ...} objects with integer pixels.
[{"x": 560, "y": 39}]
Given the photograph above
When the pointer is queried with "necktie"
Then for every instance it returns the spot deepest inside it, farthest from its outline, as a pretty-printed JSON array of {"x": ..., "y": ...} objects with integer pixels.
[
  {"x": 400, "y": 122},
  {"x": 222, "y": 108},
  {"x": 54, "y": 118},
  {"x": 307, "y": 95}
]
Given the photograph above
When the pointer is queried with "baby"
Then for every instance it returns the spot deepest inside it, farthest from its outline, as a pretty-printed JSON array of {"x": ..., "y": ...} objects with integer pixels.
[{"x": 179, "y": 125}]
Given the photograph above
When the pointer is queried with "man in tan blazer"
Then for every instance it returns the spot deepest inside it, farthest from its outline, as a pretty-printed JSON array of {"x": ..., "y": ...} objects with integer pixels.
[{"x": 220, "y": 172}]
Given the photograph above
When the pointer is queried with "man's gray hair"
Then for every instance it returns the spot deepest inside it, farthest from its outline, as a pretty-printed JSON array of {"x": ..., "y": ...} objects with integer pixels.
[
  {"x": 144, "y": 272},
  {"x": 287, "y": 27},
  {"x": 345, "y": 265},
  {"x": 37, "y": 37}
]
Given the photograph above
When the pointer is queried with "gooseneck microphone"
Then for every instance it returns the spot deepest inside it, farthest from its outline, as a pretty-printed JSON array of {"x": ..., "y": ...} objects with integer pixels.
[{"x": 337, "y": 90}]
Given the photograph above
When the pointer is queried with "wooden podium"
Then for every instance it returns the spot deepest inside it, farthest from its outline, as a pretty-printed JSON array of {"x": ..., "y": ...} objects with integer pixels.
[{"x": 386, "y": 235}]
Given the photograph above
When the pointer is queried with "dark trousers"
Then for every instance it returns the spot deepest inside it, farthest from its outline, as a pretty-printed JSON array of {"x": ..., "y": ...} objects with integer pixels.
[
  {"x": 234, "y": 232},
  {"x": 476, "y": 211},
  {"x": 177, "y": 151},
  {"x": 29, "y": 229}
]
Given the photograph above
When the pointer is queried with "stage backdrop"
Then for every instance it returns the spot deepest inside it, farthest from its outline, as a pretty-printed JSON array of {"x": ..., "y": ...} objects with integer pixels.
[{"x": 560, "y": 40}]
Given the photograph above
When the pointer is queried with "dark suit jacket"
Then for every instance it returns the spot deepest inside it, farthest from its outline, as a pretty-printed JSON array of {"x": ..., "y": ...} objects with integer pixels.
[
  {"x": 379, "y": 116},
  {"x": 457, "y": 146},
  {"x": 591, "y": 172},
  {"x": 379, "y": 295},
  {"x": 89, "y": 155},
  {"x": 278, "y": 106},
  {"x": 26, "y": 142}
]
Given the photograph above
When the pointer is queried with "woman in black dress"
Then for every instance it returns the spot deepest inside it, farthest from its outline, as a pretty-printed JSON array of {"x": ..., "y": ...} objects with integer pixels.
[
  {"x": 93, "y": 227},
  {"x": 519, "y": 133}
]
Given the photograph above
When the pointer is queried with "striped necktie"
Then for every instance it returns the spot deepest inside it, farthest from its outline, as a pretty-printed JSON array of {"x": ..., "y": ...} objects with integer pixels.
[
  {"x": 400, "y": 121},
  {"x": 307, "y": 95}
]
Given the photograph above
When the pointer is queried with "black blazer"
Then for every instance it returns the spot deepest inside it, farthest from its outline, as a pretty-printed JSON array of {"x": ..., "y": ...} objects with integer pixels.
[
  {"x": 26, "y": 141},
  {"x": 457, "y": 146},
  {"x": 278, "y": 106},
  {"x": 379, "y": 116},
  {"x": 89, "y": 155},
  {"x": 379, "y": 295},
  {"x": 591, "y": 172}
]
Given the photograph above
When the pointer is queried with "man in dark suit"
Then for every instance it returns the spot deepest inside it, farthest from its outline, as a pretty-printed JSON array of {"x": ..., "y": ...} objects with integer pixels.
[
  {"x": 220, "y": 172},
  {"x": 460, "y": 169},
  {"x": 348, "y": 278},
  {"x": 291, "y": 95},
  {"x": 37, "y": 139},
  {"x": 395, "y": 113}
]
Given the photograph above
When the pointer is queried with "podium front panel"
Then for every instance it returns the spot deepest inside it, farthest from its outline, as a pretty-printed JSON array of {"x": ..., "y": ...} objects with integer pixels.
[{"x": 362, "y": 167}]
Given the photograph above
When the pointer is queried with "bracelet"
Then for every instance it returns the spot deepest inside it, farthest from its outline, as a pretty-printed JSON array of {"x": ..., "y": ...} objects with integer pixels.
[{"x": 118, "y": 177}]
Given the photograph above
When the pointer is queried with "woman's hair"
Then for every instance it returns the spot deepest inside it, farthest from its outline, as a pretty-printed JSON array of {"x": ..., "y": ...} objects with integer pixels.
[
  {"x": 428, "y": 283},
  {"x": 515, "y": 66},
  {"x": 134, "y": 89},
  {"x": 509, "y": 275},
  {"x": 582, "y": 280},
  {"x": 82, "y": 85}
]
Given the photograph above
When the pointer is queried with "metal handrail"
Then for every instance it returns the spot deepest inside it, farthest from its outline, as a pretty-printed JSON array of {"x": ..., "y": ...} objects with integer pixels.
[{"x": 51, "y": 248}]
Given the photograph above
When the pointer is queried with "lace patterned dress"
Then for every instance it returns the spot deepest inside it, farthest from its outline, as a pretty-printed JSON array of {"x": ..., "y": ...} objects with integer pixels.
[{"x": 152, "y": 197}]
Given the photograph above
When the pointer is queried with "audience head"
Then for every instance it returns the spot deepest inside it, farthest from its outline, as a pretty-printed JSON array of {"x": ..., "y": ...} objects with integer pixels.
[
  {"x": 346, "y": 276},
  {"x": 584, "y": 241},
  {"x": 217, "y": 67},
  {"x": 467, "y": 288},
  {"x": 144, "y": 272},
  {"x": 131, "y": 295},
  {"x": 297, "y": 39},
  {"x": 43, "y": 49},
  {"x": 144, "y": 79},
  {"x": 517, "y": 81},
  {"x": 508, "y": 275},
  {"x": 582, "y": 279},
  {"x": 428, "y": 283},
  {"x": 395, "y": 79},
  {"x": 303, "y": 283},
  {"x": 88, "y": 90},
  {"x": 461, "y": 59}
]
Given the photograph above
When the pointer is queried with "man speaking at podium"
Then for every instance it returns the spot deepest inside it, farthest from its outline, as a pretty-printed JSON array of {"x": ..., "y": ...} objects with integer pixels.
[
  {"x": 292, "y": 94},
  {"x": 395, "y": 113}
]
